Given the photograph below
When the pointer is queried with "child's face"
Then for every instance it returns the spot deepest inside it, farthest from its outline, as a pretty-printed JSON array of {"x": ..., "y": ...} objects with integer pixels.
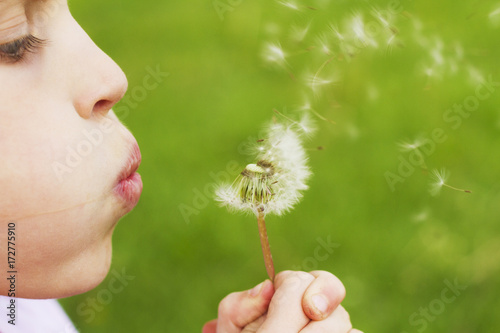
[{"x": 66, "y": 162}]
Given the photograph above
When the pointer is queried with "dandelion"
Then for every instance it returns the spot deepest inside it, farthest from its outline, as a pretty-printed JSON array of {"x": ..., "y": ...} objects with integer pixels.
[
  {"x": 272, "y": 185},
  {"x": 439, "y": 179}
]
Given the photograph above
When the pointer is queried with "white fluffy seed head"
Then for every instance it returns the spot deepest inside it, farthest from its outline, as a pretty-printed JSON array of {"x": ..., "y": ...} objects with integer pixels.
[{"x": 275, "y": 183}]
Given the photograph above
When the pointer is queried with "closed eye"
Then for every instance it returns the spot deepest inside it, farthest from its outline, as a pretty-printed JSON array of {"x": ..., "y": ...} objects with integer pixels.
[{"x": 15, "y": 51}]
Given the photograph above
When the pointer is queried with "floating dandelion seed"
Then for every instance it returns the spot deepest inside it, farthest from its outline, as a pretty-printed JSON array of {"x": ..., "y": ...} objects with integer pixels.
[
  {"x": 336, "y": 32},
  {"x": 414, "y": 147},
  {"x": 316, "y": 82},
  {"x": 476, "y": 77},
  {"x": 305, "y": 124},
  {"x": 324, "y": 44},
  {"x": 273, "y": 52},
  {"x": 307, "y": 107},
  {"x": 358, "y": 27},
  {"x": 494, "y": 16},
  {"x": 390, "y": 43},
  {"x": 439, "y": 179},
  {"x": 378, "y": 15},
  {"x": 406, "y": 146},
  {"x": 274, "y": 184},
  {"x": 298, "y": 34},
  {"x": 289, "y": 4}
]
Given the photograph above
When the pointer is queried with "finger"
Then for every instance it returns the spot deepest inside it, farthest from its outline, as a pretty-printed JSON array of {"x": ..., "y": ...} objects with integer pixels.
[
  {"x": 255, "y": 325},
  {"x": 239, "y": 309},
  {"x": 285, "y": 312},
  {"x": 323, "y": 296},
  {"x": 210, "y": 327},
  {"x": 337, "y": 322}
]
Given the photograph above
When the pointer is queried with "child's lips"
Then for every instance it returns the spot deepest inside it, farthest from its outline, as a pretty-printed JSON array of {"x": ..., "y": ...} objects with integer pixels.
[{"x": 129, "y": 184}]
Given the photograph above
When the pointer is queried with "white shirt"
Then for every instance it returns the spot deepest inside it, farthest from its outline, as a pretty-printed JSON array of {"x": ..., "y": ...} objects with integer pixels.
[{"x": 33, "y": 316}]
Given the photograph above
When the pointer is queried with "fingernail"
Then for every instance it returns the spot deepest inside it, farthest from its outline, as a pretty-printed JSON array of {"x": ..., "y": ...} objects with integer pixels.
[
  {"x": 256, "y": 290},
  {"x": 320, "y": 303}
]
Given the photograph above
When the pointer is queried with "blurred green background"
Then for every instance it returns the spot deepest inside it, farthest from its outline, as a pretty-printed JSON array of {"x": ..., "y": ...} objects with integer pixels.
[{"x": 398, "y": 248}]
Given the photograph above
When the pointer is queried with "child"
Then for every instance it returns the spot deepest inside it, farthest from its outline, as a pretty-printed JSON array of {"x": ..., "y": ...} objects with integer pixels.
[{"x": 68, "y": 174}]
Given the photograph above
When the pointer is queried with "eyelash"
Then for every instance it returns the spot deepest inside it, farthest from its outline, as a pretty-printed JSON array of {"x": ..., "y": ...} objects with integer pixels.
[{"x": 16, "y": 51}]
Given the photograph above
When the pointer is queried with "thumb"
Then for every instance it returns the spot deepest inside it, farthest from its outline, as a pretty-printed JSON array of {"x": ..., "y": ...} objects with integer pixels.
[
  {"x": 239, "y": 309},
  {"x": 322, "y": 296}
]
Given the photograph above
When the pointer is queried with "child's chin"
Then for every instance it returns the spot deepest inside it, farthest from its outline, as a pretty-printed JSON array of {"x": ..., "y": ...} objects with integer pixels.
[{"x": 78, "y": 276}]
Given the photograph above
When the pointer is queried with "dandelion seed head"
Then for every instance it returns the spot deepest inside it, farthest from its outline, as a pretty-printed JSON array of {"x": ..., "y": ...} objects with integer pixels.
[{"x": 275, "y": 183}]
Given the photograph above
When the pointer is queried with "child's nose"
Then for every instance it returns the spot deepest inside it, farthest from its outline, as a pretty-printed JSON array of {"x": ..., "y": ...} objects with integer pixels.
[{"x": 103, "y": 85}]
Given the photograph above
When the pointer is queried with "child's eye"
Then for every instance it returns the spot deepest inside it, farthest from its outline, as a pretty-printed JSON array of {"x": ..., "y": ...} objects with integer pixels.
[{"x": 15, "y": 51}]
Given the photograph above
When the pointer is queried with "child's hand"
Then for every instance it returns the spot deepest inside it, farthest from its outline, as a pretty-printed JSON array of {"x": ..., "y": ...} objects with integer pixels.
[{"x": 298, "y": 302}]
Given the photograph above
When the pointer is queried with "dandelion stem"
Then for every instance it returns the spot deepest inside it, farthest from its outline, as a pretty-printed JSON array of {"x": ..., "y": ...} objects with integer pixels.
[
  {"x": 266, "y": 250},
  {"x": 457, "y": 189}
]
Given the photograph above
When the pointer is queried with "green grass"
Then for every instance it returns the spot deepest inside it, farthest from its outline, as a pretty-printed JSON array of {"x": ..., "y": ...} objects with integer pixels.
[{"x": 396, "y": 248}]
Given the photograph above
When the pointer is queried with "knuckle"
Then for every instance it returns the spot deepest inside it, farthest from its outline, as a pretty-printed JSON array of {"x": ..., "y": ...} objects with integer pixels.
[
  {"x": 227, "y": 305},
  {"x": 343, "y": 314}
]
